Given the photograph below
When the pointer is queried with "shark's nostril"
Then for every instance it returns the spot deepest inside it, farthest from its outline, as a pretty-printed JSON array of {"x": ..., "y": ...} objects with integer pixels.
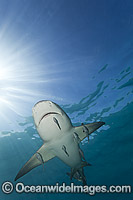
[{"x": 50, "y": 104}]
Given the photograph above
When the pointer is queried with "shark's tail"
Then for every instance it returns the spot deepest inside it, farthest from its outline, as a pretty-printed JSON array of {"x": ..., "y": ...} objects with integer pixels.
[{"x": 78, "y": 174}]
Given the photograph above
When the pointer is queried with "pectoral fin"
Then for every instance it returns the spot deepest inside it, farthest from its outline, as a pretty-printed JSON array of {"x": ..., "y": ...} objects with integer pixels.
[
  {"x": 91, "y": 127},
  {"x": 34, "y": 161}
]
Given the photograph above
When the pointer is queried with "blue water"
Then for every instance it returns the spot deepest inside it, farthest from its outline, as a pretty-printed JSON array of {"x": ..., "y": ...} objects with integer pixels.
[{"x": 78, "y": 54}]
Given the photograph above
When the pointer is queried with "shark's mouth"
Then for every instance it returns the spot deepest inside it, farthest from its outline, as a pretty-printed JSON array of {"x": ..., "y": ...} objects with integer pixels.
[{"x": 47, "y": 114}]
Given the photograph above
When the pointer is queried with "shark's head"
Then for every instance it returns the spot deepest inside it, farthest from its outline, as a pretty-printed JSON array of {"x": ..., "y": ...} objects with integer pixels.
[{"x": 50, "y": 120}]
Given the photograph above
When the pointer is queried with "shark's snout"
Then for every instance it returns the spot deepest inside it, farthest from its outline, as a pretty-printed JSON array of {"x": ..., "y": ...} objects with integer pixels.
[
  {"x": 44, "y": 102},
  {"x": 44, "y": 109}
]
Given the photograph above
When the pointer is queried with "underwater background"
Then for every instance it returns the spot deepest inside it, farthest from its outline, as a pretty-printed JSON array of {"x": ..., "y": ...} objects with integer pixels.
[{"x": 78, "y": 54}]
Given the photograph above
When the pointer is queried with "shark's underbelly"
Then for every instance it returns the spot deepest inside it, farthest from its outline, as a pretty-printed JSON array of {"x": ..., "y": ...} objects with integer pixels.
[{"x": 67, "y": 150}]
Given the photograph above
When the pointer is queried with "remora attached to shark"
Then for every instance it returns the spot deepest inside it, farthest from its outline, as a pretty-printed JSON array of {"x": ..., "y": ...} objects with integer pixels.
[{"x": 60, "y": 138}]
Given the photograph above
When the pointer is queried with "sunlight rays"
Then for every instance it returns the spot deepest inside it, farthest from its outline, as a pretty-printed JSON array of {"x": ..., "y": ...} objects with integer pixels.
[{"x": 22, "y": 82}]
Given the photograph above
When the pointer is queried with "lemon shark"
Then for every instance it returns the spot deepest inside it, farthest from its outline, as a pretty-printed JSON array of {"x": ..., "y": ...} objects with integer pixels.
[{"x": 60, "y": 138}]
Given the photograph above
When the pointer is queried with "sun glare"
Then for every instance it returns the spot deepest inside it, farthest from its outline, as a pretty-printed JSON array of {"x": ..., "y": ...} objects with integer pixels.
[
  {"x": 22, "y": 82},
  {"x": 16, "y": 81}
]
